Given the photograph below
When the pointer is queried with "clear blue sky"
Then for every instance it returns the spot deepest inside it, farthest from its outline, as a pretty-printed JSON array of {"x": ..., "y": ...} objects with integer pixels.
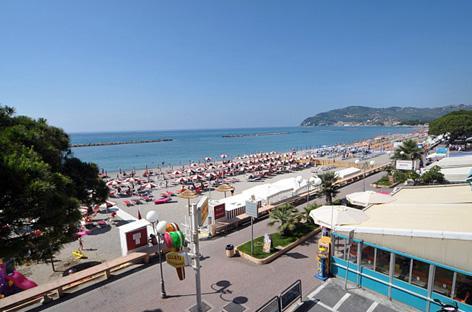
[{"x": 149, "y": 65}]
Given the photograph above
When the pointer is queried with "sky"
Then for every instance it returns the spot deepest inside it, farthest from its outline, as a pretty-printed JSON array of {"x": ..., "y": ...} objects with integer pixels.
[{"x": 149, "y": 65}]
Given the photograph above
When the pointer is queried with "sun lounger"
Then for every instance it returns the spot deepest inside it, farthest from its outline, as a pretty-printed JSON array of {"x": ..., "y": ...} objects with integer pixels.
[
  {"x": 128, "y": 203},
  {"x": 162, "y": 200}
]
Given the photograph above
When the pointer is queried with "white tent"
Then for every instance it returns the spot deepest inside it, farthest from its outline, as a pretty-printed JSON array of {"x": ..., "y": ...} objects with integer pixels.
[
  {"x": 332, "y": 216},
  {"x": 367, "y": 198}
]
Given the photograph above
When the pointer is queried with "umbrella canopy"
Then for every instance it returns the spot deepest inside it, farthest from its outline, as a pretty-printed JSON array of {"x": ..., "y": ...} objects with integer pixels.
[
  {"x": 367, "y": 198},
  {"x": 224, "y": 188},
  {"x": 331, "y": 216},
  {"x": 187, "y": 194}
]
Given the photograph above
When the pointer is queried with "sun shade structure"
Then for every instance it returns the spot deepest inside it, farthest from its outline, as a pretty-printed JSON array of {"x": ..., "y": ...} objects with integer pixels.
[
  {"x": 332, "y": 216},
  {"x": 187, "y": 194},
  {"x": 368, "y": 198},
  {"x": 225, "y": 188}
]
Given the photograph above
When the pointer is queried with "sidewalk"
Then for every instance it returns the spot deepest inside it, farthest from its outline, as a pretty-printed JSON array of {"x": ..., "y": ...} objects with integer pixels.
[{"x": 331, "y": 297}]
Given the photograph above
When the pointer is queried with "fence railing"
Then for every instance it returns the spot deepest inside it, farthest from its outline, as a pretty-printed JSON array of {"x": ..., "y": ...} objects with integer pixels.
[{"x": 289, "y": 296}]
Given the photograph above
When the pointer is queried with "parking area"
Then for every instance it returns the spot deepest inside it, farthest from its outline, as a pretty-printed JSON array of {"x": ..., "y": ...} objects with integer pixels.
[{"x": 331, "y": 297}]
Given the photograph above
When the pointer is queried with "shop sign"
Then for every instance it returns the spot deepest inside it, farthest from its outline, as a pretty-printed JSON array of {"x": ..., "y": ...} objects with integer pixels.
[
  {"x": 404, "y": 165},
  {"x": 175, "y": 259}
]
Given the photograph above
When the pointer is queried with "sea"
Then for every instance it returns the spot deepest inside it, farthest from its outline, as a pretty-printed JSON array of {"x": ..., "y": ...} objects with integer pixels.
[{"x": 188, "y": 146}]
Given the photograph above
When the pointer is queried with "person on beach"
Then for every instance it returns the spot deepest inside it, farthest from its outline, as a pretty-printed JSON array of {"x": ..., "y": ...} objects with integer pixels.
[{"x": 81, "y": 244}]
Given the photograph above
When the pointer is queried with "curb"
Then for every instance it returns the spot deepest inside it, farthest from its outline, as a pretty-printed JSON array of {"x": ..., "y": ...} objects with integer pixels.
[{"x": 280, "y": 252}]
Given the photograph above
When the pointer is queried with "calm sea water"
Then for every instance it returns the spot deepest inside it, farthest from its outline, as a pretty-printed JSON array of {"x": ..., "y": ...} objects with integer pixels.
[{"x": 194, "y": 145}]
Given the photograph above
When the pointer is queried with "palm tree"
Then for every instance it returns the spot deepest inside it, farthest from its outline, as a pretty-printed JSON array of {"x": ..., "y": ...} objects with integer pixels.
[
  {"x": 287, "y": 216},
  {"x": 306, "y": 212},
  {"x": 328, "y": 186},
  {"x": 409, "y": 150}
]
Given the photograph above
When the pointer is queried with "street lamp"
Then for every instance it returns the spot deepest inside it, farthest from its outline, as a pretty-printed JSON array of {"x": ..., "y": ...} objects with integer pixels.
[
  {"x": 159, "y": 228},
  {"x": 311, "y": 181},
  {"x": 364, "y": 167}
]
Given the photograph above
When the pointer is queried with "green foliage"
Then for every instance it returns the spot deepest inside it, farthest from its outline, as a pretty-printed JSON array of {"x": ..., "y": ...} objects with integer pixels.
[
  {"x": 287, "y": 216},
  {"x": 409, "y": 150},
  {"x": 383, "y": 181},
  {"x": 328, "y": 186},
  {"x": 403, "y": 175},
  {"x": 306, "y": 212},
  {"x": 41, "y": 187},
  {"x": 457, "y": 123},
  {"x": 433, "y": 176},
  {"x": 278, "y": 240}
]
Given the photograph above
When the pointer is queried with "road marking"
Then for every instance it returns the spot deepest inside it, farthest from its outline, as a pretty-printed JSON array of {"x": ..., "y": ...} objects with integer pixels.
[
  {"x": 372, "y": 306},
  {"x": 312, "y": 295},
  {"x": 341, "y": 301},
  {"x": 325, "y": 306}
]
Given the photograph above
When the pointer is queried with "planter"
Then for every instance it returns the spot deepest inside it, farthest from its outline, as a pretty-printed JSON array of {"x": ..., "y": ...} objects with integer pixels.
[{"x": 277, "y": 254}]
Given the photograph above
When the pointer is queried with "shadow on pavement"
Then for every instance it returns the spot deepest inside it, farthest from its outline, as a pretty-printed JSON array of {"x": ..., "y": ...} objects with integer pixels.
[{"x": 306, "y": 306}]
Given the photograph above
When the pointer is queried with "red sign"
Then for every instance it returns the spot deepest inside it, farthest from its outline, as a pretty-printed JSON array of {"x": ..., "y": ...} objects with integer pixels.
[
  {"x": 137, "y": 238},
  {"x": 219, "y": 211}
]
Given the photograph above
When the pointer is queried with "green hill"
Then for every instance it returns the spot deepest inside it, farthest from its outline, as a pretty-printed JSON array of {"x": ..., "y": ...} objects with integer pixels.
[{"x": 363, "y": 115}]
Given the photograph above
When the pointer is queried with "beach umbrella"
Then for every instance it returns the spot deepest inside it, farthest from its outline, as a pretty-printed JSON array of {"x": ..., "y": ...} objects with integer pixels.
[
  {"x": 181, "y": 180},
  {"x": 177, "y": 172},
  {"x": 194, "y": 165},
  {"x": 367, "y": 198},
  {"x": 225, "y": 188},
  {"x": 223, "y": 156},
  {"x": 149, "y": 186},
  {"x": 208, "y": 158},
  {"x": 188, "y": 194},
  {"x": 332, "y": 216}
]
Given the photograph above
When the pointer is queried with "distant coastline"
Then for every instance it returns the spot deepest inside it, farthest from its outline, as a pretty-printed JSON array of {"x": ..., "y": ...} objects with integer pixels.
[
  {"x": 253, "y": 134},
  {"x": 121, "y": 143}
]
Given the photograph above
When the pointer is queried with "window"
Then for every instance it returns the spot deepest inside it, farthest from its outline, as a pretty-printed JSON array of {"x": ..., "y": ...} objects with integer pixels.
[
  {"x": 368, "y": 256},
  {"x": 419, "y": 274},
  {"x": 443, "y": 281},
  {"x": 339, "y": 244},
  {"x": 463, "y": 290},
  {"x": 382, "y": 264},
  {"x": 353, "y": 253},
  {"x": 402, "y": 268}
]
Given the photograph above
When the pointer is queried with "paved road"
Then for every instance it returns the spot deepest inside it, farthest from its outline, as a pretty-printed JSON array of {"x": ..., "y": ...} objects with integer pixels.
[{"x": 224, "y": 280}]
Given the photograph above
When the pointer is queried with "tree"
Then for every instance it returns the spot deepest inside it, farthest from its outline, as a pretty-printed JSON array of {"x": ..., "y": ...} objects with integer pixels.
[
  {"x": 287, "y": 216},
  {"x": 306, "y": 212},
  {"x": 433, "y": 176},
  {"x": 41, "y": 186},
  {"x": 409, "y": 150},
  {"x": 458, "y": 124},
  {"x": 328, "y": 186}
]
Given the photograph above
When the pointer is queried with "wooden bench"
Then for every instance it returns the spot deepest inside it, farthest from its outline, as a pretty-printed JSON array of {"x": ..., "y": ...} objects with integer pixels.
[{"x": 59, "y": 285}]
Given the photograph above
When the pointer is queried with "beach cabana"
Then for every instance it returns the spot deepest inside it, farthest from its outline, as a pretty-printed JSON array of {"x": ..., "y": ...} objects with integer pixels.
[
  {"x": 368, "y": 198},
  {"x": 332, "y": 216}
]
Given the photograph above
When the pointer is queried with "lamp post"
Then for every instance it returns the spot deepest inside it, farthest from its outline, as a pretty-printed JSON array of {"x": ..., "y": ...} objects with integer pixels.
[
  {"x": 299, "y": 180},
  {"x": 152, "y": 217},
  {"x": 311, "y": 181}
]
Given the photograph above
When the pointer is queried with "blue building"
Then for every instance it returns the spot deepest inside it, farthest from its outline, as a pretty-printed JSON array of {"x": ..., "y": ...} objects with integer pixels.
[{"x": 415, "y": 249}]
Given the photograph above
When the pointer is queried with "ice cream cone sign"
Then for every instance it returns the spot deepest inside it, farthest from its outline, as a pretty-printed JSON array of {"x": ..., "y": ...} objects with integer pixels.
[{"x": 177, "y": 260}]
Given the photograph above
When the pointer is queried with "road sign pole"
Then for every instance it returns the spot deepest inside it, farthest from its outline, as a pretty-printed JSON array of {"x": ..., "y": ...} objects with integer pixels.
[
  {"x": 196, "y": 255},
  {"x": 252, "y": 236}
]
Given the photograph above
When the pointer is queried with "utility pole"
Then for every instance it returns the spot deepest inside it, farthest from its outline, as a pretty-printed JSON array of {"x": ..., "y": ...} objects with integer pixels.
[{"x": 196, "y": 256}]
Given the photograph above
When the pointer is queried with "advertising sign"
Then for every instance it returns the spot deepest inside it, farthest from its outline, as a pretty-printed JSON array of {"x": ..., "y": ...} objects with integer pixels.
[
  {"x": 175, "y": 259},
  {"x": 137, "y": 238},
  {"x": 404, "y": 165},
  {"x": 251, "y": 208},
  {"x": 267, "y": 243},
  {"x": 219, "y": 211},
  {"x": 202, "y": 207}
]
